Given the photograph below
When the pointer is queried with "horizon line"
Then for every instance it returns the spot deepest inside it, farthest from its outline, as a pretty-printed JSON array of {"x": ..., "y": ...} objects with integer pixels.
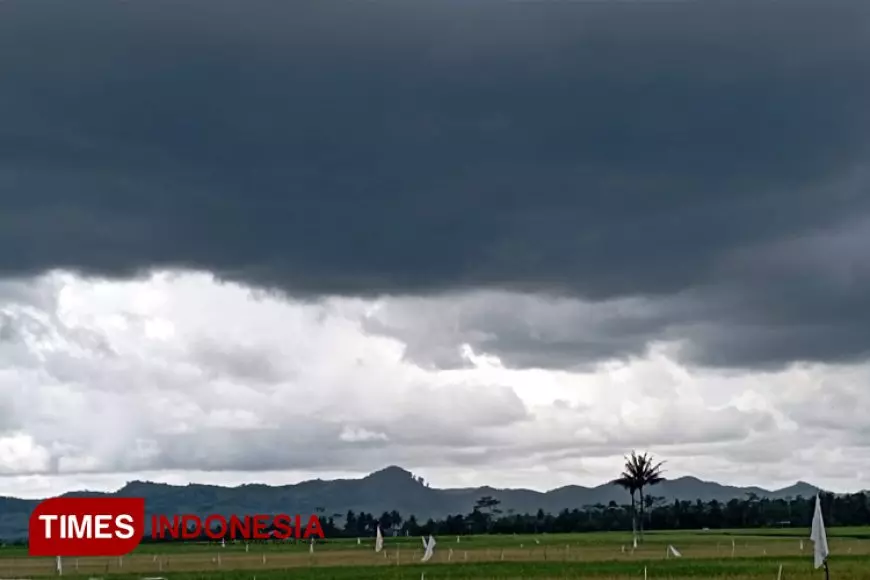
[{"x": 415, "y": 475}]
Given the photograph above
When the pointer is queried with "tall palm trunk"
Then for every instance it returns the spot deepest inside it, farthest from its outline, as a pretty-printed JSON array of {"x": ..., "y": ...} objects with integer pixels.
[
  {"x": 633, "y": 517},
  {"x": 642, "y": 512}
]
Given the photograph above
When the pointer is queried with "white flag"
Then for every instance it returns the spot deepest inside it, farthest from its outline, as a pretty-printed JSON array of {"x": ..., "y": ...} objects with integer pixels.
[
  {"x": 818, "y": 536},
  {"x": 430, "y": 549},
  {"x": 379, "y": 541},
  {"x": 311, "y": 549},
  {"x": 223, "y": 543},
  {"x": 674, "y": 551},
  {"x": 634, "y": 542},
  {"x": 59, "y": 566}
]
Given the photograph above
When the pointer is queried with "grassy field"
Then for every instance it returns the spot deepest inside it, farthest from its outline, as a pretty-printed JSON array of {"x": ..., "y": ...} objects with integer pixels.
[{"x": 757, "y": 554}]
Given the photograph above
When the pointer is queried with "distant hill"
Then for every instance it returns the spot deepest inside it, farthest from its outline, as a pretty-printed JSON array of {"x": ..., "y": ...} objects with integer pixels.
[{"x": 389, "y": 489}]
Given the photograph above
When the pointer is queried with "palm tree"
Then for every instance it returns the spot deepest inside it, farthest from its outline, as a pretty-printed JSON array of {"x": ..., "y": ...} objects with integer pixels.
[{"x": 641, "y": 471}]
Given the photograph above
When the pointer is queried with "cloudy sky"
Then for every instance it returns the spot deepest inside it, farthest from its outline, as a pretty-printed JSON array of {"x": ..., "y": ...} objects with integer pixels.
[{"x": 494, "y": 242}]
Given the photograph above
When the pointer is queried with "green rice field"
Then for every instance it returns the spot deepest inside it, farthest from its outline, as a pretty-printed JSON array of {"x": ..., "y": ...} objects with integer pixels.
[{"x": 726, "y": 554}]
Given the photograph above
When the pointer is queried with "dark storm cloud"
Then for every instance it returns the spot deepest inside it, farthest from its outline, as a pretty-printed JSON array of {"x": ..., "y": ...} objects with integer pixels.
[
  {"x": 523, "y": 330},
  {"x": 801, "y": 299},
  {"x": 594, "y": 149}
]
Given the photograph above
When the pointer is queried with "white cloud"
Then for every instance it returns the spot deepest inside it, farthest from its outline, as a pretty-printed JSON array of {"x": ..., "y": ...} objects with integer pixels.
[
  {"x": 19, "y": 453},
  {"x": 177, "y": 377},
  {"x": 352, "y": 435}
]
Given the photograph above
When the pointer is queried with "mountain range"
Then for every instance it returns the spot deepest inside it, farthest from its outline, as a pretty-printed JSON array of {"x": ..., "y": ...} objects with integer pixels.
[{"x": 392, "y": 488}]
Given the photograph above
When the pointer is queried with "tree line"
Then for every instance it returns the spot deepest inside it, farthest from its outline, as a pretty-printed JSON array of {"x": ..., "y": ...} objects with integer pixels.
[{"x": 749, "y": 512}]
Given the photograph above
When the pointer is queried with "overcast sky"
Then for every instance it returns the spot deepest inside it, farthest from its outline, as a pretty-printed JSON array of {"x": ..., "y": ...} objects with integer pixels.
[{"x": 493, "y": 242}]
